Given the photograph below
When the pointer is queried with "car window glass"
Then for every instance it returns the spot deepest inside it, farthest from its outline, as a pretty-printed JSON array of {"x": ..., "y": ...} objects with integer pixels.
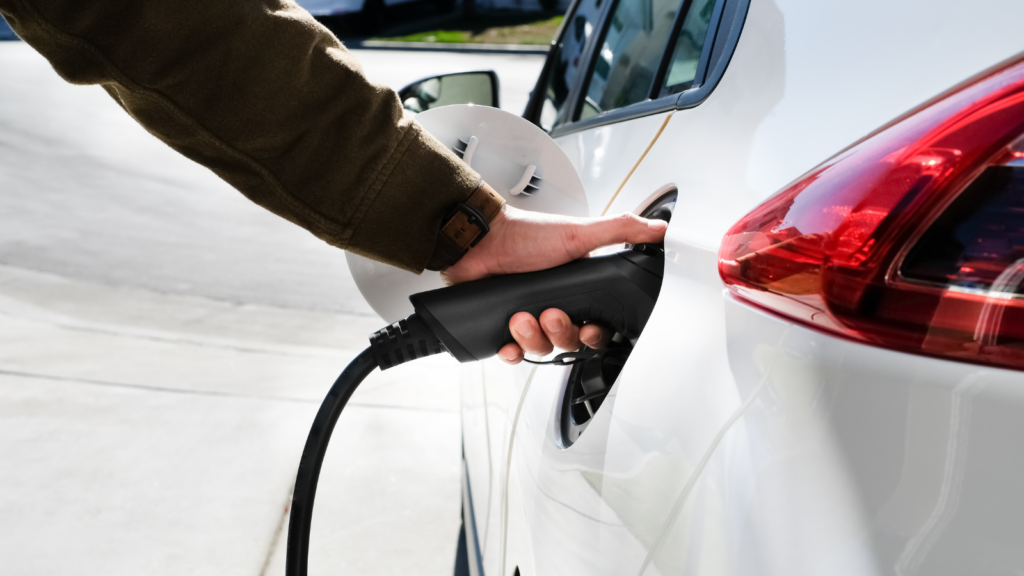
[
  {"x": 569, "y": 60},
  {"x": 629, "y": 54},
  {"x": 689, "y": 44}
]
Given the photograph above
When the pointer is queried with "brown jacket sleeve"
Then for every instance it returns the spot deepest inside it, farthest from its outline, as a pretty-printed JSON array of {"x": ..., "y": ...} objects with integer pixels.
[{"x": 260, "y": 93}]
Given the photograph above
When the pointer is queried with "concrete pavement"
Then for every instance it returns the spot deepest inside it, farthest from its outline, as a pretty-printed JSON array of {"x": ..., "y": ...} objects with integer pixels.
[{"x": 164, "y": 345}]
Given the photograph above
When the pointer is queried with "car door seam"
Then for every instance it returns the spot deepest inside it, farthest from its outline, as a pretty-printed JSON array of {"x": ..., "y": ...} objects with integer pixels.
[
  {"x": 508, "y": 468},
  {"x": 490, "y": 465}
]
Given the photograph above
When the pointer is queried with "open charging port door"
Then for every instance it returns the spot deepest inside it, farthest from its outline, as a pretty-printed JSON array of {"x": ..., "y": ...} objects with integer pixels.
[{"x": 515, "y": 157}]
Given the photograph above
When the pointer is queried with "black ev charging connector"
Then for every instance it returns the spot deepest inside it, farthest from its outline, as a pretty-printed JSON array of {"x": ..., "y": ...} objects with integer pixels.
[{"x": 470, "y": 321}]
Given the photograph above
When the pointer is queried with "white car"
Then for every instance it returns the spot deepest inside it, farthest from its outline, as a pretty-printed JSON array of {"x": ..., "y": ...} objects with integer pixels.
[{"x": 831, "y": 380}]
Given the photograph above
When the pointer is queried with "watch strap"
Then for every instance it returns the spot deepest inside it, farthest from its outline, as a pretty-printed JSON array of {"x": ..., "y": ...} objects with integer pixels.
[{"x": 464, "y": 226}]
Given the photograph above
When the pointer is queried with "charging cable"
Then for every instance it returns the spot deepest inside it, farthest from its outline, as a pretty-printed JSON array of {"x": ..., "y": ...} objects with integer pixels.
[
  {"x": 396, "y": 344},
  {"x": 470, "y": 322}
]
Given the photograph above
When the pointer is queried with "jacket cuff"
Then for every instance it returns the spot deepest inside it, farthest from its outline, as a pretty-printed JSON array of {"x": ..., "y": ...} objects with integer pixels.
[{"x": 400, "y": 225}]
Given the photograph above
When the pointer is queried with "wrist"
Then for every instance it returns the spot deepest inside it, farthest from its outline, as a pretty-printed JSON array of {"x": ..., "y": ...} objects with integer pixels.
[
  {"x": 498, "y": 222},
  {"x": 466, "y": 225}
]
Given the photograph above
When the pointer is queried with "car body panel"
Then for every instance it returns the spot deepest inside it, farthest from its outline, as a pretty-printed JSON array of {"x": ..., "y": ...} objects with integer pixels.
[
  {"x": 604, "y": 156},
  {"x": 852, "y": 459},
  {"x": 718, "y": 450}
]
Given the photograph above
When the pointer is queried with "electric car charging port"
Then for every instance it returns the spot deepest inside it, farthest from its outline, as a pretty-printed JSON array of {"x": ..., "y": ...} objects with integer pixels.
[
  {"x": 588, "y": 385},
  {"x": 662, "y": 207},
  {"x": 590, "y": 381}
]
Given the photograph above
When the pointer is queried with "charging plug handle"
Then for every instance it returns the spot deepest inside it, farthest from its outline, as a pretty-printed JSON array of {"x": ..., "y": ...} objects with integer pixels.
[
  {"x": 403, "y": 341},
  {"x": 618, "y": 291}
]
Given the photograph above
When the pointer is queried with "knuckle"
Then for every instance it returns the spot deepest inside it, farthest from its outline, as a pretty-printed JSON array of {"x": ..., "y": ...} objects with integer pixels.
[{"x": 628, "y": 218}]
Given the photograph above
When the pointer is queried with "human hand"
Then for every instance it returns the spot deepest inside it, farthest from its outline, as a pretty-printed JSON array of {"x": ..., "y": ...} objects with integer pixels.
[{"x": 522, "y": 241}]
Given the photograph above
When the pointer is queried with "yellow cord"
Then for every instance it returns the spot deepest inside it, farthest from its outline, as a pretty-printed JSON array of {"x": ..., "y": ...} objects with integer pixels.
[{"x": 642, "y": 156}]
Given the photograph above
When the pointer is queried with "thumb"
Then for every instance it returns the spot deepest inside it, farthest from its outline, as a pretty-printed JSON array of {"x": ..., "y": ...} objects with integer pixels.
[{"x": 619, "y": 229}]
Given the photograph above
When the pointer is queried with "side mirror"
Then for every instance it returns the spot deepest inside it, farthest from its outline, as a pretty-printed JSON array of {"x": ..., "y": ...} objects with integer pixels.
[{"x": 479, "y": 88}]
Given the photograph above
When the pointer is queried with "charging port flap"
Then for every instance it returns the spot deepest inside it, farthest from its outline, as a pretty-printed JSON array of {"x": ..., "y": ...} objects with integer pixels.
[{"x": 515, "y": 157}]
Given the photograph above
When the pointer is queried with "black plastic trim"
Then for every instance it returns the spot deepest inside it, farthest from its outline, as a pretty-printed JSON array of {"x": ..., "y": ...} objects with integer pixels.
[
  {"x": 633, "y": 111},
  {"x": 657, "y": 89},
  {"x": 725, "y": 29},
  {"x": 638, "y": 110},
  {"x": 472, "y": 518},
  {"x": 540, "y": 88},
  {"x": 651, "y": 106},
  {"x": 709, "y": 44},
  {"x": 535, "y": 105},
  {"x": 574, "y": 101},
  {"x": 729, "y": 38},
  {"x": 575, "y": 108}
]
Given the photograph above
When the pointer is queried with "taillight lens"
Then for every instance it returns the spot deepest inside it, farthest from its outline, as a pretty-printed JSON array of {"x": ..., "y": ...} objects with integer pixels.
[{"x": 913, "y": 239}]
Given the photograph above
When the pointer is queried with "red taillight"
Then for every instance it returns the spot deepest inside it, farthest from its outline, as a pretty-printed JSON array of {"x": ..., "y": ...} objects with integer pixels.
[{"x": 913, "y": 239}]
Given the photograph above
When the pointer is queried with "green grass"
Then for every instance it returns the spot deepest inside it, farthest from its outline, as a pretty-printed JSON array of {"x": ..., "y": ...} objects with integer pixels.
[
  {"x": 444, "y": 36},
  {"x": 495, "y": 28}
]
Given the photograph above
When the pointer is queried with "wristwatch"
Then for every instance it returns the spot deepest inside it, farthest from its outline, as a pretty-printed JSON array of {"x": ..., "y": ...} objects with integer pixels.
[{"x": 465, "y": 226}]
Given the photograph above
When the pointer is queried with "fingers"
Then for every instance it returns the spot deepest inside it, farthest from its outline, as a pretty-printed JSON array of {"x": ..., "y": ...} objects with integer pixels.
[
  {"x": 595, "y": 336},
  {"x": 624, "y": 228},
  {"x": 524, "y": 241},
  {"x": 559, "y": 330},
  {"x": 554, "y": 329},
  {"x": 528, "y": 335},
  {"x": 511, "y": 353}
]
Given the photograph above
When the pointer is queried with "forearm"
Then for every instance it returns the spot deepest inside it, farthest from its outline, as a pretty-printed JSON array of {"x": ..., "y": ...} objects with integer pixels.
[{"x": 269, "y": 100}]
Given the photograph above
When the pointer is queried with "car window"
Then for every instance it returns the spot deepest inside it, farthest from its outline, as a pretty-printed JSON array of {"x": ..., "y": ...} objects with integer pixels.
[
  {"x": 628, "y": 56},
  {"x": 688, "y": 46},
  {"x": 569, "y": 60}
]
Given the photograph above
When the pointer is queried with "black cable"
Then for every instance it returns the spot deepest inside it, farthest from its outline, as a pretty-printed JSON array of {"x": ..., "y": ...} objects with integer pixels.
[
  {"x": 301, "y": 517},
  {"x": 405, "y": 340},
  {"x": 566, "y": 358}
]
